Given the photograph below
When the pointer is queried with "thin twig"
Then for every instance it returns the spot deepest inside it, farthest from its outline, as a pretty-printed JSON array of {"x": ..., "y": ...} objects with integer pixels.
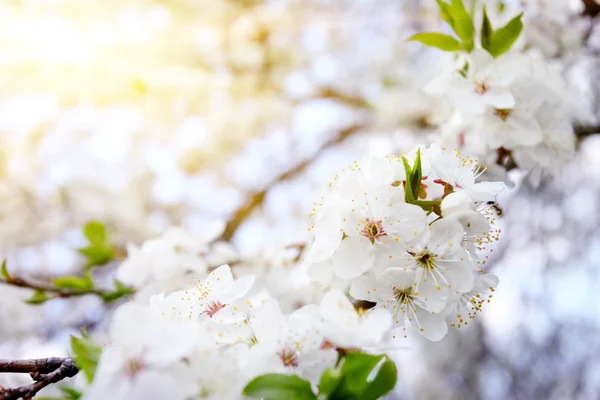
[
  {"x": 258, "y": 198},
  {"x": 333, "y": 94},
  {"x": 44, "y": 372},
  {"x": 505, "y": 159},
  {"x": 232, "y": 263},
  {"x": 59, "y": 293}
]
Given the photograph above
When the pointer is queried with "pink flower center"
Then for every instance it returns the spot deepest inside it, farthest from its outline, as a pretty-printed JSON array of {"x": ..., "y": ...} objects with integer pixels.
[
  {"x": 502, "y": 113},
  {"x": 327, "y": 345},
  {"x": 213, "y": 307},
  {"x": 481, "y": 87},
  {"x": 289, "y": 358},
  {"x": 133, "y": 366},
  {"x": 373, "y": 229}
]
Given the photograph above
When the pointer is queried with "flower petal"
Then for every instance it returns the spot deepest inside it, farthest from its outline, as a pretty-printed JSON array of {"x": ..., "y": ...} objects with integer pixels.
[
  {"x": 362, "y": 289},
  {"x": 321, "y": 272},
  {"x": 456, "y": 202},
  {"x": 434, "y": 299},
  {"x": 406, "y": 221},
  {"x": 353, "y": 257},
  {"x": 374, "y": 325},
  {"x": 336, "y": 308},
  {"x": 499, "y": 98},
  {"x": 446, "y": 236},
  {"x": 220, "y": 279},
  {"x": 432, "y": 326},
  {"x": 485, "y": 191}
]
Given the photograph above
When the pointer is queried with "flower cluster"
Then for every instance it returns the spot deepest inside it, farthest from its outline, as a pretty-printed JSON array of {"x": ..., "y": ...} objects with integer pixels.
[
  {"x": 166, "y": 263},
  {"x": 409, "y": 237},
  {"x": 400, "y": 242},
  {"x": 212, "y": 338},
  {"x": 405, "y": 233},
  {"x": 512, "y": 104}
]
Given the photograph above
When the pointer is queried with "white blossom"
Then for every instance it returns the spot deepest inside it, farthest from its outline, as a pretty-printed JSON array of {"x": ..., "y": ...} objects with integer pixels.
[
  {"x": 290, "y": 344},
  {"x": 166, "y": 263},
  {"x": 348, "y": 328},
  {"x": 484, "y": 82},
  {"x": 465, "y": 305},
  {"x": 144, "y": 355},
  {"x": 367, "y": 211},
  {"x": 395, "y": 292}
]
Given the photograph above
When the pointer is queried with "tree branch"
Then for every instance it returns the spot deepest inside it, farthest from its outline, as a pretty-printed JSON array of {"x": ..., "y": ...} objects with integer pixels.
[
  {"x": 258, "y": 198},
  {"x": 586, "y": 130},
  {"x": 41, "y": 365},
  {"x": 590, "y": 8},
  {"x": 44, "y": 372},
  {"x": 353, "y": 101}
]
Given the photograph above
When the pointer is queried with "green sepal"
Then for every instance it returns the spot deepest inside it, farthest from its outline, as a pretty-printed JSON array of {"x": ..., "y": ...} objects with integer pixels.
[
  {"x": 4, "y": 272},
  {"x": 486, "y": 31}
]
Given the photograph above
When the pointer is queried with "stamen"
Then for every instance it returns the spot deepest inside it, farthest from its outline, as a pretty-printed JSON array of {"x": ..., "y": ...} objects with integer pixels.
[
  {"x": 502, "y": 113},
  {"x": 133, "y": 366},
  {"x": 212, "y": 307},
  {"x": 289, "y": 357},
  {"x": 481, "y": 87},
  {"x": 373, "y": 230}
]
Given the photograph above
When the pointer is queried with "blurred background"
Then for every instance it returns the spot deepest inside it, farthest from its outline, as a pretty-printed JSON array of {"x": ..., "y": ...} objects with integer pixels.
[{"x": 145, "y": 114}]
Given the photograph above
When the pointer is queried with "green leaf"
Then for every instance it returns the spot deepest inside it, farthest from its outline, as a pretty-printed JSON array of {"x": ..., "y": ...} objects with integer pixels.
[
  {"x": 439, "y": 40},
  {"x": 97, "y": 254},
  {"x": 4, "y": 272},
  {"x": 121, "y": 290},
  {"x": 446, "y": 12},
  {"x": 330, "y": 380},
  {"x": 486, "y": 31},
  {"x": 385, "y": 376},
  {"x": 70, "y": 393},
  {"x": 463, "y": 23},
  {"x": 95, "y": 232},
  {"x": 365, "y": 377},
  {"x": 503, "y": 39},
  {"x": 100, "y": 250},
  {"x": 278, "y": 387},
  {"x": 356, "y": 369},
  {"x": 50, "y": 398},
  {"x": 38, "y": 297},
  {"x": 86, "y": 354},
  {"x": 473, "y": 9},
  {"x": 75, "y": 282},
  {"x": 121, "y": 286}
]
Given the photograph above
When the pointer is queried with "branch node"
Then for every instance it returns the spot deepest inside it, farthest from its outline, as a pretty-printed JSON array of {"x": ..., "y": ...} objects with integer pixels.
[
  {"x": 43, "y": 371},
  {"x": 36, "y": 376}
]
